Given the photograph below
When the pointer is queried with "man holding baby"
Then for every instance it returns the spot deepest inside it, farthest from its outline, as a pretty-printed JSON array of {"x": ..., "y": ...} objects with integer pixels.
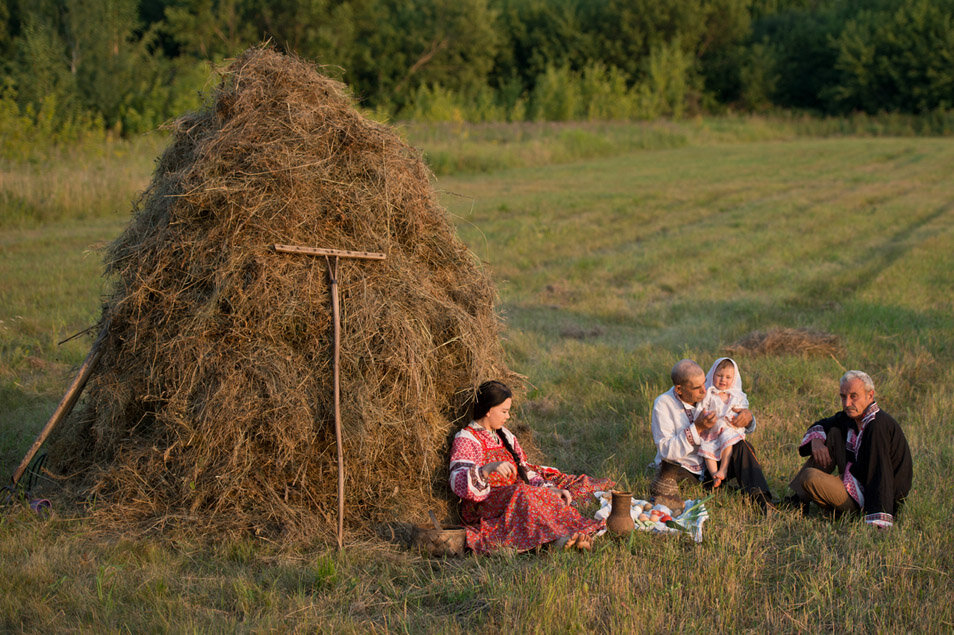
[{"x": 695, "y": 414}]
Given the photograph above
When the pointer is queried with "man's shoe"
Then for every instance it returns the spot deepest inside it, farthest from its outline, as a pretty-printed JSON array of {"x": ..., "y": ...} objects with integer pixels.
[
  {"x": 765, "y": 505},
  {"x": 794, "y": 503}
]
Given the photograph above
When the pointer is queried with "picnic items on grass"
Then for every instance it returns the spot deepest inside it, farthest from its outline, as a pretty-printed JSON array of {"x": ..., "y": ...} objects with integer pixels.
[{"x": 658, "y": 518}]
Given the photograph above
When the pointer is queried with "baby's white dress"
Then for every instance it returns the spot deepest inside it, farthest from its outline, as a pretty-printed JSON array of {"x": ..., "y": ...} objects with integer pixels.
[{"x": 723, "y": 434}]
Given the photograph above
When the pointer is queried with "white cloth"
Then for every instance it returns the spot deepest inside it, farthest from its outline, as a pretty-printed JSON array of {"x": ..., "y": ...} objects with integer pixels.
[
  {"x": 723, "y": 410},
  {"x": 676, "y": 439},
  {"x": 722, "y": 434}
]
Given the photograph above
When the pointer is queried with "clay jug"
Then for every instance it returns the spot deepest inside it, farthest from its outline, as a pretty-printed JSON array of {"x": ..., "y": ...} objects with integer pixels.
[{"x": 620, "y": 521}]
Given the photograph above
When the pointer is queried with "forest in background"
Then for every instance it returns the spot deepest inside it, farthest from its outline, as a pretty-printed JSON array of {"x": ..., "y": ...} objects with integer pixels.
[{"x": 75, "y": 68}]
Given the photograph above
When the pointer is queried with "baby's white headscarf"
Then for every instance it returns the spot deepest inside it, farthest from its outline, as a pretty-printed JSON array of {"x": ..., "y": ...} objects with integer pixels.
[{"x": 736, "y": 385}]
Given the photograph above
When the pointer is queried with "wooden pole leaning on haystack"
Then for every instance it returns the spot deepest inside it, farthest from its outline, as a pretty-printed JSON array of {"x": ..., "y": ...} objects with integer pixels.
[
  {"x": 66, "y": 404},
  {"x": 333, "y": 281}
]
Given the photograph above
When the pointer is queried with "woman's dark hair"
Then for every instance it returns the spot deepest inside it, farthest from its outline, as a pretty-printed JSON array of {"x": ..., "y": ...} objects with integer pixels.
[{"x": 490, "y": 394}]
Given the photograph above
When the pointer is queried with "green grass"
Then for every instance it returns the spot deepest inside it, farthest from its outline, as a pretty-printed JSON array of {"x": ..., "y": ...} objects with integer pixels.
[
  {"x": 611, "y": 266},
  {"x": 82, "y": 183}
]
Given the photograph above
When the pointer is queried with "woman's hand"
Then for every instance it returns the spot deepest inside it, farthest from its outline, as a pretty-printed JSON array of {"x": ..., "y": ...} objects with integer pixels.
[
  {"x": 504, "y": 468},
  {"x": 565, "y": 495}
]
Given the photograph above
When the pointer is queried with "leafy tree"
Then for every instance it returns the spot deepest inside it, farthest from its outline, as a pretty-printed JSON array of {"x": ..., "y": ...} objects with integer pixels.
[
  {"x": 626, "y": 31},
  {"x": 450, "y": 42},
  {"x": 317, "y": 29},
  {"x": 6, "y": 29},
  {"x": 538, "y": 37},
  {"x": 396, "y": 47},
  {"x": 896, "y": 57},
  {"x": 92, "y": 60},
  {"x": 797, "y": 43},
  {"x": 212, "y": 29},
  {"x": 104, "y": 58},
  {"x": 40, "y": 70},
  {"x": 135, "y": 63},
  {"x": 758, "y": 76}
]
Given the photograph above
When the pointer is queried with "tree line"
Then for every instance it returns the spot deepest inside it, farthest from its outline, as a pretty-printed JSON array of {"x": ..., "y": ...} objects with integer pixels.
[{"x": 129, "y": 65}]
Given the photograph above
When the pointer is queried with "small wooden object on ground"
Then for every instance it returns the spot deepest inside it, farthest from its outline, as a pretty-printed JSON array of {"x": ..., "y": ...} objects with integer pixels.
[
  {"x": 333, "y": 281},
  {"x": 620, "y": 520},
  {"x": 436, "y": 540}
]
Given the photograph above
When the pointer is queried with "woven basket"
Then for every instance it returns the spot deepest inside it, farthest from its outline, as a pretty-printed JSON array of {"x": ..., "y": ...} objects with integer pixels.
[{"x": 449, "y": 541}]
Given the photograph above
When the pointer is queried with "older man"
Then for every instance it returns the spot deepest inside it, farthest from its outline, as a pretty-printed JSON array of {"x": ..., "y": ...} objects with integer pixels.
[
  {"x": 868, "y": 448},
  {"x": 677, "y": 424}
]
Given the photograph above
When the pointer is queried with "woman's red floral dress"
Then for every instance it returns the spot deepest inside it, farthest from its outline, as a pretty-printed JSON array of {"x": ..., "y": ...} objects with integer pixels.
[{"x": 500, "y": 512}]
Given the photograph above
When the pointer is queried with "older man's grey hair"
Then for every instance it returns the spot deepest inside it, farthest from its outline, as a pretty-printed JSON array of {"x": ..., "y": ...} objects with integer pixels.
[
  {"x": 684, "y": 370},
  {"x": 857, "y": 374}
]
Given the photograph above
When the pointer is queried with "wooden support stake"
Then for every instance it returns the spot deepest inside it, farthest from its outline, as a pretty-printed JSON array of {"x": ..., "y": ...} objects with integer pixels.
[
  {"x": 336, "y": 318},
  {"x": 66, "y": 404}
]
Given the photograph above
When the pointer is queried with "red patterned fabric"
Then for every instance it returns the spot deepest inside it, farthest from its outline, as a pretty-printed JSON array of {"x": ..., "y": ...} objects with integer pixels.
[
  {"x": 814, "y": 432},
  {"x": 512, "y": 513},
  {"x": 579, "y": 485}
]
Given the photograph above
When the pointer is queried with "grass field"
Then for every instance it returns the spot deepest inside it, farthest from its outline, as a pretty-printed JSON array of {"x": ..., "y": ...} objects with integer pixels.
[{"x": 613, "y": 261}]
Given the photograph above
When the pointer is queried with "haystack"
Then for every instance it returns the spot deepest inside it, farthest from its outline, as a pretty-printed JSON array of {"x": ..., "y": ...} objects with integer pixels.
[
  {"x": 212, "y": 404},
  {"x": 786, "y": 341}
]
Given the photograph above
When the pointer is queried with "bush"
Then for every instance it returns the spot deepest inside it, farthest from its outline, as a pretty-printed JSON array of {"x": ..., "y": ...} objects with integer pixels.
[
  {"x": 605, "y": 93},
  {"x": 598, "y": 93},
  {"x": 28, "y": 134},
  {"x": 437, "y": 104},
  {"x": 664, "y": 89},
  {"x": 556, "y": 96}
]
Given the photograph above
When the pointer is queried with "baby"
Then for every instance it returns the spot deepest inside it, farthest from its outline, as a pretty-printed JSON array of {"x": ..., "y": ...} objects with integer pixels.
[{"x": 723, "y": 395}]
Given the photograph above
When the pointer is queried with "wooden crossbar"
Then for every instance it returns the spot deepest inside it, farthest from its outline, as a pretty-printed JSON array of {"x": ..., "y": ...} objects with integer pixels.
[{"x": 321, "y": 251}]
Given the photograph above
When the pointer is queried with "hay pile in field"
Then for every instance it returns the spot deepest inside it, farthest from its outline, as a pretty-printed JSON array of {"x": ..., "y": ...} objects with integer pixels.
[
  {"x": 212, "y": 405},
  {"x": 786, "y": 341}
]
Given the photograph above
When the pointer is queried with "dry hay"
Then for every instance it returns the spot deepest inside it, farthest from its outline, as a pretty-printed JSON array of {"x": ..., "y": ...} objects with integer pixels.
[
  {"x": 212, "y": 405},
  {"x": 786, "y": 341}
]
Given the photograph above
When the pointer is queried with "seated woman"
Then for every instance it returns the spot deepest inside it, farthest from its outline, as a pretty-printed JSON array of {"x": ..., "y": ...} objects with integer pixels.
[{"x": 505, "y": 501}]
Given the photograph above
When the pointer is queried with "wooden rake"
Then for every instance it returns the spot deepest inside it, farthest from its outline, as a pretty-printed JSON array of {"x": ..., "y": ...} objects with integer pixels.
[{"x": 331, "y": 258}]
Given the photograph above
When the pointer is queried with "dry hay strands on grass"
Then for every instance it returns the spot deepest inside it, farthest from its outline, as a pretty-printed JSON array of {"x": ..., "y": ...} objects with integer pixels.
[
  {"x": 212, "y": 404},
  {"x": 787, "y": 341}
]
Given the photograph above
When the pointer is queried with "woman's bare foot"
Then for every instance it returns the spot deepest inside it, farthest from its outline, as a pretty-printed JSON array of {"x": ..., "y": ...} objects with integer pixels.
[{"x": 579, "y": 540}]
